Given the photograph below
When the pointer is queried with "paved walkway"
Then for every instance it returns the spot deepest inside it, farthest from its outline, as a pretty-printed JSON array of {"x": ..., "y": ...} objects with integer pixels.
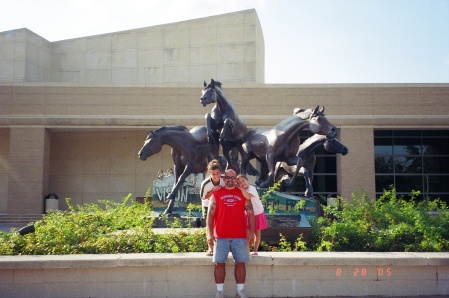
[{"x": 7, "y": 227}]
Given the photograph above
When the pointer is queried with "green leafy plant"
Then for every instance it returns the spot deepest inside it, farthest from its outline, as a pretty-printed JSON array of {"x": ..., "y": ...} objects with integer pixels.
[
  {"x": 193, "y": 207},
  {"x": 390, "y": 223},
  {"x": 106, "y": 227},
  {"x": 268, "y": 193},
  {"x": 285, "y": 245}
]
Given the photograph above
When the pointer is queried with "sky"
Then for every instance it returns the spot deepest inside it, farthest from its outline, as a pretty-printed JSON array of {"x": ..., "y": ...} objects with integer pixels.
[{"x": 306, "y": 41}]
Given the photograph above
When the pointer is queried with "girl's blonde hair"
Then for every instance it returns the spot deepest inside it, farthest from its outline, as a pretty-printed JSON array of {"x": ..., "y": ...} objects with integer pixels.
[{"x": 242, "y": 176}]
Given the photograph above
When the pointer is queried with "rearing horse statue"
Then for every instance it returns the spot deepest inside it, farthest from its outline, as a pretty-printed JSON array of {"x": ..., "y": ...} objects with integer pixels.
[
  {"x": 223, "y": 119},
  {"x": 305, "y": 159},
  {"x": 281, "y": 142},
  {"x": 190, "y": 152}
]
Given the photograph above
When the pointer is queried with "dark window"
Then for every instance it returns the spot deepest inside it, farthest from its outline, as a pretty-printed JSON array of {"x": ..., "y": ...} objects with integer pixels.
[
  {"x": 413, "y": 160},
  {"x": 436, "y": 164},
  {"x": 384, "y": 164},
  {"x": 384, "y": 146},
  {"x": 383, "y": 182}
]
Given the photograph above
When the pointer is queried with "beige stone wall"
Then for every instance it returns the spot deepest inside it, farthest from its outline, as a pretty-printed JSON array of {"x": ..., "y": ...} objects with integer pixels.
[
  {"x": 4, "y": 169},
  {"x": 356, "y": 171},
  {"x": 190, "y": 275},
  {"x": 227, "y": 47},
  {"x": 88, "y": 166},
  {"x": 24, "y": 57},
  {"x": 29, "y": 153}
]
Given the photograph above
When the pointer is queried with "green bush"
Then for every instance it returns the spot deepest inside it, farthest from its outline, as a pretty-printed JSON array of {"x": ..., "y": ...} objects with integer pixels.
[
  {"x": 390, "y": 223},
  {"x": 107, "y": 227}
]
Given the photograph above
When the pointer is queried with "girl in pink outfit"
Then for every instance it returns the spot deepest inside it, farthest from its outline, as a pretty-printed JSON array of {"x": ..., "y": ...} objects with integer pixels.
[{"x": 259, "y": 215}]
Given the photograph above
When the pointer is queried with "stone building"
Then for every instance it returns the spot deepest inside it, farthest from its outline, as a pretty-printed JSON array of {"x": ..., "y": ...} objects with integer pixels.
[{"x": 74, "y": 113}]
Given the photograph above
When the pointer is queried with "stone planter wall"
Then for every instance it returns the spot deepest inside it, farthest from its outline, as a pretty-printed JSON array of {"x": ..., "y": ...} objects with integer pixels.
[{"x": 188, "y": 275}]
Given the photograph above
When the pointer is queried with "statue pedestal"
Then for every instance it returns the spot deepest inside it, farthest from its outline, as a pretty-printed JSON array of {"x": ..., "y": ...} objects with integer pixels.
[{"x": 290, "y": 226}]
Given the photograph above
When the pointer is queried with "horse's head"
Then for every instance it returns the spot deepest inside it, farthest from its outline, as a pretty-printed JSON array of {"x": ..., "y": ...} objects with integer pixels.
[
  {"x": 209, "y": 93},
  {"x": 151, "y": 146},
  {"x": 320, "y": 125},
  {"x": 335, "y": 146}
]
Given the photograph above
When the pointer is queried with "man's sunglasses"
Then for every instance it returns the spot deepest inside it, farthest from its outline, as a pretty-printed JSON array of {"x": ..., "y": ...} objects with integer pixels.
[{"x": 230, "y": 177}]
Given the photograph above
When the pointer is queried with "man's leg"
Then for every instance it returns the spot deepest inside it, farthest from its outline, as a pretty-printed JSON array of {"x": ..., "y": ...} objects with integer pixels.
[
  {"x": 220, "y": 272},
  {"x": 239, "y": 273}
]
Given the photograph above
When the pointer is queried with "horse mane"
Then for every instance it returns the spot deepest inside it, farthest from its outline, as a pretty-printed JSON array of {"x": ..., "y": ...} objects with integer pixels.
[
  {"x": 217, "y": 87},
  {"x": 302, "y": 113},
  {"x": 218, "y": 84},
  {"x": 306, "y": 113},
  {"x": 215, "y": 83},
  {"x": 172, "y": 127}
]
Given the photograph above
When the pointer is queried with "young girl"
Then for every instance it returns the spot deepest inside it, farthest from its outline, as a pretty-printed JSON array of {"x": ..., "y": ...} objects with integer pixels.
[
  {"x": 208, "y": 186},
  {"x": 259, "y": 215}
]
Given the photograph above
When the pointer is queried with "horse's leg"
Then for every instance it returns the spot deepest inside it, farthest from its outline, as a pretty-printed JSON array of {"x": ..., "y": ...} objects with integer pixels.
[
  {"x": 276, "y": 169},
  {"x": 270, "y": 163},
  {"x": 309, "y": 166},
  {"x": 178, "y": 169},
  {"x": 309, "y": 180},
  {"x": 263, "y": 172},
  {"x": 245, "y": 160},
  {"x": 227, "y": 147},
  {"x": 292, "y": 180},
  {"x": 215, "y": 146},
  {"x": 172, "y": 195},
  {"x": 210, "y": 137},
  {"x": 246, "y": 167},
  {"x": 228, "y": 129},
  {"x": 309, "y": 189}
]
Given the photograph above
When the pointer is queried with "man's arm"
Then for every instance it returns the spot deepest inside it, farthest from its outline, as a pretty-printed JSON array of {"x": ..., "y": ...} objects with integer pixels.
[{"x": 210, "y": 220}]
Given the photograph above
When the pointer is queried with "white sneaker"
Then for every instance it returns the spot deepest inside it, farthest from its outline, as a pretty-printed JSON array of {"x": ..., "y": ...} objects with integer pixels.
[
  {"x": 219, "y": 294},
  {"x": 241, "y": 294}
]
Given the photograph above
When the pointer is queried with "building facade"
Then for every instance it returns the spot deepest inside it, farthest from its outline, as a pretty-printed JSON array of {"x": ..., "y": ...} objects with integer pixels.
[{"x": 74, "y": 113}]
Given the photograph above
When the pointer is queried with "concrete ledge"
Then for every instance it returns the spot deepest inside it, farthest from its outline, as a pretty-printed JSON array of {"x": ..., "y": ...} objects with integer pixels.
[{"x": 274, "y": 274}]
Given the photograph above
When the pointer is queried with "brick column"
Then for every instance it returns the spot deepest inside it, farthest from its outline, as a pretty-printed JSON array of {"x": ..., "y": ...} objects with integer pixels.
[
  {"x": 29, "y": 161},
  {"x": 355, "y": 171}
]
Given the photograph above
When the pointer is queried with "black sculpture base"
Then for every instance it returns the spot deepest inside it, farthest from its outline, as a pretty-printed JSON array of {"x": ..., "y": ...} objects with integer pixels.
[
  {"x": 290, "y": 226},
  {"x": 162, "y": 221}
]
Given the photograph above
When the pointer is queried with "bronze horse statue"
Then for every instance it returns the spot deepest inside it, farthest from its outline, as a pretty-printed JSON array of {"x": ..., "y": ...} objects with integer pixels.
[
  {"x": 280, "y": 143},
  {"x": 224, "y": 120},
  {"x": 190, "y": 152},
  {"x": 305, "y": 159}
]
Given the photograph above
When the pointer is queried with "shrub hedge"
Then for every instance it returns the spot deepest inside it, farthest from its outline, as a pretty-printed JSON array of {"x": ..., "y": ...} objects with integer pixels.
[{"x": 390, "y": 223}]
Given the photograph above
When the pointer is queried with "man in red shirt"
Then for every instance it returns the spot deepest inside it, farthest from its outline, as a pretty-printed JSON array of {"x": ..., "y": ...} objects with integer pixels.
[{"x": 226, "y": 227}]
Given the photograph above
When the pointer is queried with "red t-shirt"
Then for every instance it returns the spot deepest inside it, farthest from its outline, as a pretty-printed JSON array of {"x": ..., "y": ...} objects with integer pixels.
[{"x": 229, "y": 218}]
